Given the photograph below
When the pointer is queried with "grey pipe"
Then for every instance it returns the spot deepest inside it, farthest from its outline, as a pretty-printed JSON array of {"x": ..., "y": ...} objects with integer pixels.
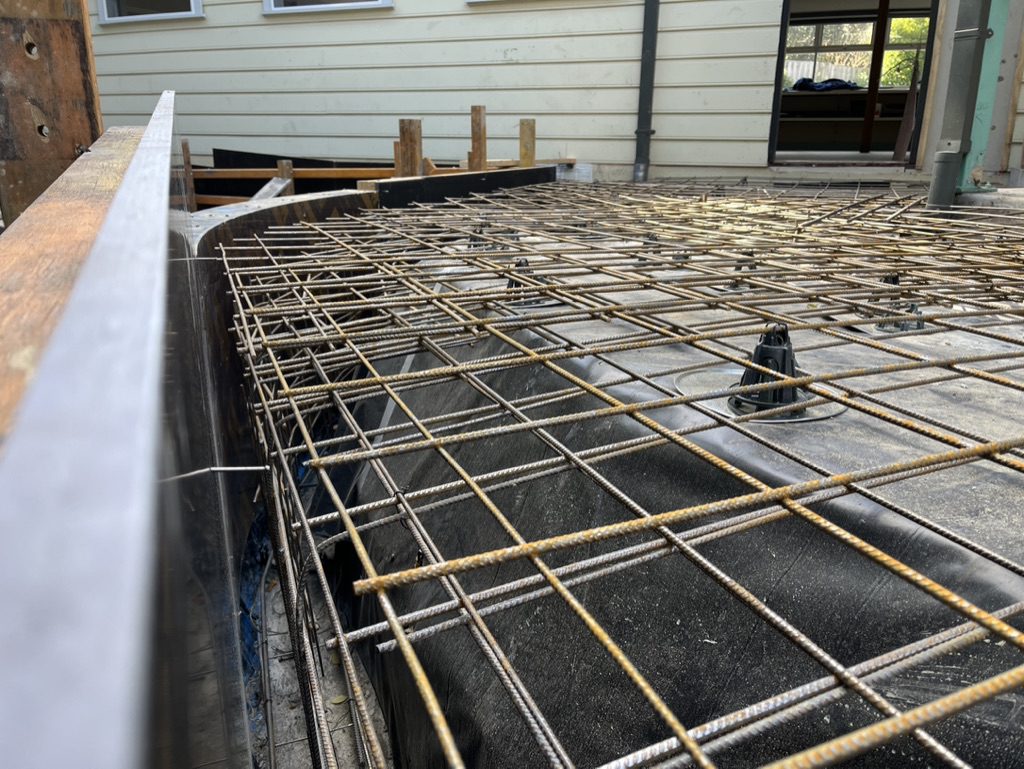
[
  {"x": 958, "y": 117},
  {"x": 645, "y": 109},
  {"x": 945, "y": 176}
]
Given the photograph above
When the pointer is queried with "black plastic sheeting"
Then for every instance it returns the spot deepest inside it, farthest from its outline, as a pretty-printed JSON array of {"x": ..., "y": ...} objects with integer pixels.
[{"x": 704, "y": 652}]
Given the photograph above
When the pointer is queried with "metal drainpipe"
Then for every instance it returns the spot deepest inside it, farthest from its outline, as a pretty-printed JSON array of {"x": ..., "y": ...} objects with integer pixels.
[
  {"x": 645, "y": 110},
  {"x": 970, "y": 34}
]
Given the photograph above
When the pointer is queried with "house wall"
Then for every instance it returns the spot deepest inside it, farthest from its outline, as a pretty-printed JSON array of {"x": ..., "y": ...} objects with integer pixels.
[{"x": 334, "y": 84}]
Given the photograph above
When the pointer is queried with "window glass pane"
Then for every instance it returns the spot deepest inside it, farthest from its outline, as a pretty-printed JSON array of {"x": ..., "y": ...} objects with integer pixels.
[
  {"x": 145, "y": 7},
  {"x": 797, "y": 65},
  {"x": 844, "y": 65},
  {"x": 800, "y": 36},
  {"x": 908, "y": 31},
  {"x": 897, "y": 67},
  {"x": 854, "y": 33}
]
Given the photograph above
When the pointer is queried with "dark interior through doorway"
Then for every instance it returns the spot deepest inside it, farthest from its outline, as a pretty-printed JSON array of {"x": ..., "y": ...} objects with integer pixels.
[{"x": 851, "y": 81}]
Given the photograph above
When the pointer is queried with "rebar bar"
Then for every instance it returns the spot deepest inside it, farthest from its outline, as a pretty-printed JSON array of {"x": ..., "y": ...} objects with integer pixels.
[{"x": 624, "y": 312}]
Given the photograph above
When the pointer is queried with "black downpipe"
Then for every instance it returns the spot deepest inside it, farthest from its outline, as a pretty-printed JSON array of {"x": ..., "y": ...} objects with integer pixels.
[{"x": 645, "y": 111}]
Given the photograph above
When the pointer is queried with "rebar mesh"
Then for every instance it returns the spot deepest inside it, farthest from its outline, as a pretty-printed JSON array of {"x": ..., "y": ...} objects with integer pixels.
[{"x": 485, "y": 399}]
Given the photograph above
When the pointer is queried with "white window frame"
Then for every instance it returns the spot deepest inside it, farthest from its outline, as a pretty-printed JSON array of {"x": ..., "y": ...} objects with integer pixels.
[
  {"x": 105, "y": 18},
  {"x": 270, "y": 9}
]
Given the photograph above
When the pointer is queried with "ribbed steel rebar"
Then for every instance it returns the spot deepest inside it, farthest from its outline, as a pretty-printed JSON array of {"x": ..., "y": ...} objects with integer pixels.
[{"x": 385, "y": 306}]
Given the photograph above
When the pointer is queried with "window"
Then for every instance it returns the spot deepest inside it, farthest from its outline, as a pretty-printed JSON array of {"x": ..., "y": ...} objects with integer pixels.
[
  {"x": 297, "y": 6},
  {"x": 842, "y": 49},
  {"x": 147, "y": 10}
]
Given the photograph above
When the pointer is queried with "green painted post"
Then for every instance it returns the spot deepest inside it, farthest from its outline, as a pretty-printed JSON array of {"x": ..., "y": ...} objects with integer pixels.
[{"x": 988, "y": 85}]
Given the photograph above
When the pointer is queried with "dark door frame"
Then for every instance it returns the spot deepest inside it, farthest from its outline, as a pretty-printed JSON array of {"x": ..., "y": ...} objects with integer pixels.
[{"x": 915, "y": 140}]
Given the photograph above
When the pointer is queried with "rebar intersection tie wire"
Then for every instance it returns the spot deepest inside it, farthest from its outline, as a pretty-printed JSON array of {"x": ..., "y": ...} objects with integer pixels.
[{"x": 320, "y": 306}]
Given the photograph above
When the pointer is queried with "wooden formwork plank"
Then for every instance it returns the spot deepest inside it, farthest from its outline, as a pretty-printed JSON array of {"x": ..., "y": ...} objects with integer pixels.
[
  {"x": 297, "y": 173},
  {"x": 282, "y": 184},
  {"x": 42, "y": 252}
]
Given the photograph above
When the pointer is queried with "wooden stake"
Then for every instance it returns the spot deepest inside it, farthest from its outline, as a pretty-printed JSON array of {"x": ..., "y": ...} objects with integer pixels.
[
  {"x": 527, "y": 143},
  {"x": 285, "y": 170},
  {"x": 189, "y": 180},
  {"x": 478, "y": 153},
  {"x": 410, "y": 133},
  {"x": 398, "y": 158}
]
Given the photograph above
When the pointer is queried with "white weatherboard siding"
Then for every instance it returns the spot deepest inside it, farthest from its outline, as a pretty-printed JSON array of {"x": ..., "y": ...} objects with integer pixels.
[{"x": 334, "y": 84}]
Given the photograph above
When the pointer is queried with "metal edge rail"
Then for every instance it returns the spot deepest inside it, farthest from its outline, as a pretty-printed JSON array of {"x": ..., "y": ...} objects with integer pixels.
[{"x": 78, "y": 496}]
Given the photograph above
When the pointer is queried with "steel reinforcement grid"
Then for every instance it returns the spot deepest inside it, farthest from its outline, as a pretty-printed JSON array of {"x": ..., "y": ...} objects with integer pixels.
[{"x": 421, "y": 376}]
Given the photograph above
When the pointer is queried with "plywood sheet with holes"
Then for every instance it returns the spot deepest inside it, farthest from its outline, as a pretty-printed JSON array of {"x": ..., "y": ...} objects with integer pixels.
[{"x": 49, "y": 109}]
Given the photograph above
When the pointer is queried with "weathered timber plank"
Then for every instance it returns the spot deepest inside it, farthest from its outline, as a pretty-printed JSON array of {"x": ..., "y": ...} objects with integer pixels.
[
  {"x": 478, "y": 138},
  {"x": 410, "y": 135},
  {"x": 274, "y": 188},
  {"x": 41, "y": 253},
  {"x": 527, "y": 143}
]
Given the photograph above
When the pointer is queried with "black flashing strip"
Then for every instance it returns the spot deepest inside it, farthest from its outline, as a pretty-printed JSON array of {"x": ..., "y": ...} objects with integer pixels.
[{"x": 399, "y": 193}]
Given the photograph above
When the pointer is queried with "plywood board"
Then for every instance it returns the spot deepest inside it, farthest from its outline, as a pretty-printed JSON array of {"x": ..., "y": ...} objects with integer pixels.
[{"x": 49, "y": 108}]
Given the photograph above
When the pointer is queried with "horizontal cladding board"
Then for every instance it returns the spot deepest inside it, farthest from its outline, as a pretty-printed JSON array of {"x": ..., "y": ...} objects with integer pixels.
[
  {"x": 339, "y": 31},
  {"x": 525, "y": 103},
  {"x": 742, "y": 99},
  {"x": 757, "y": 70},
  {"x": 436, "y": 11},
  {"x": 335, "y": 37},
  {"x": 688, "y": 153},
  {"x": 696, "y": 126},
  {"x": 597, "y": 149},
  {"x": 742, "y": 43},
  {"x": 399, "y": 104},
  {"x": 722, "y": 13},
  {"x": 453, "y": 18},
  {"x": 709, "y": 153},
  {"x": 312, "y": 80}
]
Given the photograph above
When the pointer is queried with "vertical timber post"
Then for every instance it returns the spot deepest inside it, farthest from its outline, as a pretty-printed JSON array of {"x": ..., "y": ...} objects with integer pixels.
[
  {"x": 286, "y": 170},
  {"x": 189, "y": 180},
  {"x": 527, "y": 143},
  {"x": 411, "y": 136},
  {"x": 478, "y": 150}
]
